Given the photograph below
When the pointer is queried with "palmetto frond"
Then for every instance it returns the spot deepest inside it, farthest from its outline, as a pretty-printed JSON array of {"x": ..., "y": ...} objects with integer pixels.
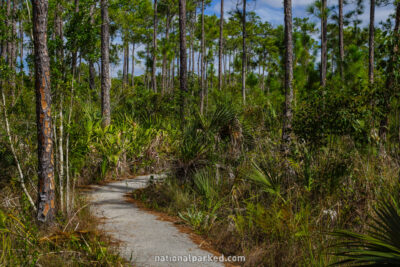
[{"x": 380, "y": 246}]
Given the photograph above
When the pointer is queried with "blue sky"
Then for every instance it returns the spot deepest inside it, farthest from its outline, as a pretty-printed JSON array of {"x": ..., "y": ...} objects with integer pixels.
[{"x": 272, "y": 10}]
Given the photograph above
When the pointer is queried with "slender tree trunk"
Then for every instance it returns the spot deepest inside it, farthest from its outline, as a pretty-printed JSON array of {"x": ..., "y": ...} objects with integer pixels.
[
  {"x": 263, "y": 78},
  {"x": 341, "y": 39},
  {"x": 154, "y": 68},
  {"x": 2, "y": 42},
  {"x": 127, "y": 63},
  {"x": 390, "y": 82},
  {"x": 193, "y": 30},
  {"x": 61, "y": 158},
  {"x": 324, "y": 43},
  {"x": 371, "y": 42},
  {"x": 21, "y": 51},
  {"x": 75, "y": 48},
  {"x": 147, "y": 80},
  {"x": 92, "y": 71},
  {"x": 288, "y": 112},
  {"x": 133, "y": 65},
  {"x": 105, "y": 65},
  {"x": 164, "y": 60},
  {"x": 202, "y": 85},
  {"x": 8, "y": 22},
  {"x": 13, "y": 49},
  {"x": 124, "y": 69},
  {"x": 183, "y": 69},
  {"x": 21, "y": 175},
  {"x": 221, "y": 38},
  {"x": 46, "y": 185},
  {"x": 244, "y": 53},
  {"x": 58, "y": 29},
  {"x": 173, "y": 73}
]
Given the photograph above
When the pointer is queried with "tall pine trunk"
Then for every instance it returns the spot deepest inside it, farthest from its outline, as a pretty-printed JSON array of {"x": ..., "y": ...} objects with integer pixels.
[
  {"x": 164, "y": 60},
  {"x": 202, "y": 85},
  {"x": 133, "y": 65},
  {"x": 154, "y": 68},
  {"x": 221, "y": 38},
  {"x": 371, "y": 43},
  {"x": 390, "y": 82},
  {"x": 324, "y": 43},
  {"x": 46, "y": 185},
  {"x": 92, "y": 71},
  {"x": 244, "y": 53},
  {"x": 341, "y": 39},
  {"x": 288, "y": 112},
  {"x": 74, "y": 46},
  {"x": 105, "y": 65},
  {"x": 182, "y": 46}
]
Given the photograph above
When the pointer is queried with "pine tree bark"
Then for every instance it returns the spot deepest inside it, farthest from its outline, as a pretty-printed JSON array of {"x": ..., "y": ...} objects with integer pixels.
[
  {"x": 133, "y": 65},
  {"x": 154, "y": 68},
  {"x": 324, "y": 43},
  {"x": 288, "y": 112},
  {"x": 75, "y": 48},
  {"x": 182, "y": 45},
  {"x": 92, "y": 71},
  {"x": 105, "y": 65},
  {"x": 127, "y": 63},
  {"x": 46, "y": 185},
  {"x": 244, "y": 53},
  {"x": 202, "y": 85},
  {"x": 13, "y": 49},
  {"x": 124, "y": 69},
  {"x": 21, "y": 49},
  {"x": 164, "y": 60},
  {"x": 371, "y": 42},
  {"x": 221, "y": 39},
  {"x": 341, "y": 39}
]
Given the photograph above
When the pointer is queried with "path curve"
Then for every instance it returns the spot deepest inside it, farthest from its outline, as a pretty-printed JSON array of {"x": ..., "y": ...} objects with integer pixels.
[{"x": 143, "y": 237}]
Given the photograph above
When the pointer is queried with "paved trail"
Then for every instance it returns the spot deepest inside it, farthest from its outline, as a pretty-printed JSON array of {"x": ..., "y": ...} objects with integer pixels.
[{"x": 143, "y": 237}]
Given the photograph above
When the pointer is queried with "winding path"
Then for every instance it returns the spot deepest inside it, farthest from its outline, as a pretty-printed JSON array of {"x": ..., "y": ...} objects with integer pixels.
[{"x": 143, "y": 237}]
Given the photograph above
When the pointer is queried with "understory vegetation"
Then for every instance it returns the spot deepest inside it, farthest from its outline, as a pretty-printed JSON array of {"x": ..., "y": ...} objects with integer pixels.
[{"x": 227, "y": 180}]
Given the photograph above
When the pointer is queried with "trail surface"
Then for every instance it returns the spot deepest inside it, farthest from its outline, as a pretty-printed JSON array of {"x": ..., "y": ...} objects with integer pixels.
[{"x": 142, "y": 236}]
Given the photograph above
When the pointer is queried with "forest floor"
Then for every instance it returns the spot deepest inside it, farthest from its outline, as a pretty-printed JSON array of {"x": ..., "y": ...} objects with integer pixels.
[{"x": 144, "y": 236}]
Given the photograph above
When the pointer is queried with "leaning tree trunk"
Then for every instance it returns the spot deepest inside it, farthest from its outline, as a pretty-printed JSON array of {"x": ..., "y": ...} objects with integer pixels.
[
  {"x": 244, "y": 53},
  {"x": 46, "y": 185},
  {"x": 221, "y": 37},
  {"x": 288, "y": 112},
  {"x": 341, "y": 40},
  {"x": 324, "y": 44},
  {"x": 182, "y": 45},
  {"x": 371, "y": 42},
  {"x": 105, "y": 65},
  {"x": 153, "y": 69},
  {"x": 202, "y": 85}
]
